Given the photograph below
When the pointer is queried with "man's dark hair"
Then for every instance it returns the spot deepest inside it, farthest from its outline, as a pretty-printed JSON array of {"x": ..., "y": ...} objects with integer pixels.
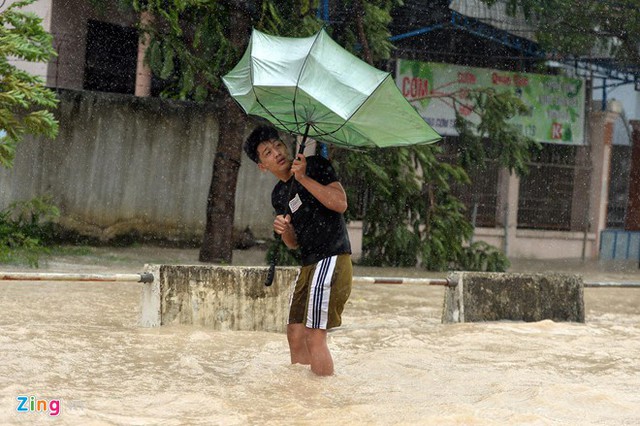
[{"x": 259, "y": 135}]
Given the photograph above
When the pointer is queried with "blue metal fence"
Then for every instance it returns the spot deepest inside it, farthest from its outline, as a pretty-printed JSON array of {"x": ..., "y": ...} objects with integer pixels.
[{"x": 619, "y": 245}]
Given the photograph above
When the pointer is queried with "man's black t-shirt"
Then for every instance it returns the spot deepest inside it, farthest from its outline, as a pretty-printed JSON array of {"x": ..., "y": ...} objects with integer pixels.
[{"x": 320, "y": 232}]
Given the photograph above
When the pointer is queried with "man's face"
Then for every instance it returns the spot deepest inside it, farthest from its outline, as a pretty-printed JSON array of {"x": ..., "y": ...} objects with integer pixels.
[{"x": 274, "y": 156}]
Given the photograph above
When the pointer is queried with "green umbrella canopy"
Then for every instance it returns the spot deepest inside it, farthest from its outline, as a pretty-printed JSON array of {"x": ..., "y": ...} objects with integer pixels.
[{"x": 312, "y": 82}]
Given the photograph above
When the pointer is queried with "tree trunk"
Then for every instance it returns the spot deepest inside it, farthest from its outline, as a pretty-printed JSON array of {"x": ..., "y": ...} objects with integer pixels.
[
  {"x": 362, "y": 37},
  {"x": 217, "y": 244}
]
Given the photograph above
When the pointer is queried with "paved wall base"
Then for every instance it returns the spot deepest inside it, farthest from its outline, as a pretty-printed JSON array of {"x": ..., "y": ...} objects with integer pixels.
[
  {"x": 485, "y": 296},
  {"x": 220, "y": 297}
]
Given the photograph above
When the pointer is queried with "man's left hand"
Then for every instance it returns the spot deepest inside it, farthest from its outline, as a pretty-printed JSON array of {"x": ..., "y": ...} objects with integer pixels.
[{"x": 299, "y": 167}]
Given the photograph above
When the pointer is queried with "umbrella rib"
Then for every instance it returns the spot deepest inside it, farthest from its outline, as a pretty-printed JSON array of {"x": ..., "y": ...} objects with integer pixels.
[
  {"x": 295, "y": 92},
  {"x": 280, "y": 122},
  {"x": 320, "y": 134}
]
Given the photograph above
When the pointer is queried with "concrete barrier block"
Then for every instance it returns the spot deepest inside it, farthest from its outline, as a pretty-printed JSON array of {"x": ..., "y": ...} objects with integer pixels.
[
  {"x": 220, "y": 297},
  {"x": 484, "y": 296}
]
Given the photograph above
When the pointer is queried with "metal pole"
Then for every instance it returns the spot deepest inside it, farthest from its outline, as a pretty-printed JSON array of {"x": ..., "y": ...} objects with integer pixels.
[
  {"x": 474, "y": 215},
  {"x": 611, "y": 284},
  {"x": 506, "y": 227},
  {"x": 144, "y": 277},
  {"x": 587, "y": 147},
  {"x": 448, "y": 283},
  {"x": 399, "y": 280}
]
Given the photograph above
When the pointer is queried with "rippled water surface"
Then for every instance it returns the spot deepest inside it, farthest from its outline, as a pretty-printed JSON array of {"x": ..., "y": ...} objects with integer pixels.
[{"x": 395, "y": 364}]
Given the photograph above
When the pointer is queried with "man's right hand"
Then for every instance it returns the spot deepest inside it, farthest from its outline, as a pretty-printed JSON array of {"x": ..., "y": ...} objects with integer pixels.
[
  {"x": 283, "y": 227},
  {"x": 282, "y": 224}
]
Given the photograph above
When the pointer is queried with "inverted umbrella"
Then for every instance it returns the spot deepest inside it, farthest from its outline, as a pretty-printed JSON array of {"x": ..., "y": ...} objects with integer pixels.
[{"x": 312, "y": 86}]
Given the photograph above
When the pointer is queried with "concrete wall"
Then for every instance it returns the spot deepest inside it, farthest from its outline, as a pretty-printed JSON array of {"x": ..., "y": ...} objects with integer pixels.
[
  {"x": 481, "y": 296},
  {"x": 122, "y": 163},
  {"x": 539, "y": 244},
  {"x": 219, "y": 297}
]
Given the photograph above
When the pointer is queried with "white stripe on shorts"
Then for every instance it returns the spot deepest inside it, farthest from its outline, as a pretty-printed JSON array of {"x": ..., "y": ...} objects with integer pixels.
[
  {"x": 320, "y": 291},
  {"x": 292, "y": 290}
]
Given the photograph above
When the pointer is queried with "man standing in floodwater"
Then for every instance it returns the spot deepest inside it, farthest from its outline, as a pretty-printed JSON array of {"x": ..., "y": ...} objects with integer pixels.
[{"x": 309, "y": 202}]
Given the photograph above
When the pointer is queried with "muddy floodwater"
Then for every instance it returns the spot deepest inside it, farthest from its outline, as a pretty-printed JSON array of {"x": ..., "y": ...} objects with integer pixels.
[{"x": 77, "y": 348}]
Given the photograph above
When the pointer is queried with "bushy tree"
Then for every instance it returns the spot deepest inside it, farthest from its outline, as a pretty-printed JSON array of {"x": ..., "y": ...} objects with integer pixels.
[
  {"x": 25, "y": 108},
  {"x": 25, "y": 103}
]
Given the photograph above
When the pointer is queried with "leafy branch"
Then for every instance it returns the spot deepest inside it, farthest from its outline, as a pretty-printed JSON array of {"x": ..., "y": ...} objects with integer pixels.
[{"x": 25, "y": 102}]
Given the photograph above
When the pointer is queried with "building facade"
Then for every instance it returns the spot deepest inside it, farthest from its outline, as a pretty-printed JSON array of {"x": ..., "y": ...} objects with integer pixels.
[{"x": 571, "y": 195}]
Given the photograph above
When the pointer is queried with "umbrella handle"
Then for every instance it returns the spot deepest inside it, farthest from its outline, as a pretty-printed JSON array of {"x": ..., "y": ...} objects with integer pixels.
[
  {"x": 304, "y": 139},
  {"x": 271, "y": 273},
  {"x": 272, "y": 265}
]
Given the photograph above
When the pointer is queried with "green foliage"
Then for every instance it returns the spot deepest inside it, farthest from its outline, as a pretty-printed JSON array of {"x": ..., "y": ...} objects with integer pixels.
[
  {"x": 190, "y": 45},
  {"x": 190, "y": 58},
  {"x": 412, "y": 218},
  {"x": 25, "y": 228},
  {"x": 480, "y": 256},
  {"x": 377, "y": 17},
  {"x": 24, "y": 100},
  {"x": 283, "y": 256}
]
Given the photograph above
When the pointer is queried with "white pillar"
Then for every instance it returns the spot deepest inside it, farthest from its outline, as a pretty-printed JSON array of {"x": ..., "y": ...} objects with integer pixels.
[
  {"x": 508, "y": 193},
  {"x": 601, "y": 139}
]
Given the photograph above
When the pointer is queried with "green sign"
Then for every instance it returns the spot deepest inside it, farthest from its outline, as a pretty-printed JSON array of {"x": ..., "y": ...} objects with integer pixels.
[{"x": 557, "y": 103}]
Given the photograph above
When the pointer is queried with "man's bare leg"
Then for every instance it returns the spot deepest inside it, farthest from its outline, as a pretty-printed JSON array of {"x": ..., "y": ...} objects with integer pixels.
[
  {"x": 309, "y": 346},
  {"x": 319, "y": 355},
  {"x": 296, "y": 335}
]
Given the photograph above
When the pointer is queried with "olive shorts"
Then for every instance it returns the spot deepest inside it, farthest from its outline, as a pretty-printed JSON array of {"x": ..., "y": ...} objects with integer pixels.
[{"x": 321, "y": 291}]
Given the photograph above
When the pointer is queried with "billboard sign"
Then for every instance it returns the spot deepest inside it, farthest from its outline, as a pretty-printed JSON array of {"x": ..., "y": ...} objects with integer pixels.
[{"x": 557, "y": 103}]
